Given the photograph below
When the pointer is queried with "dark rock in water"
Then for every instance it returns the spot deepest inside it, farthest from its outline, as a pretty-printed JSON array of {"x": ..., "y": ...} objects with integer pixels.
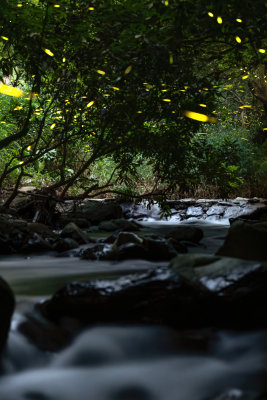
[
  {"x": 35, "y": 244},
  {"x": 98, "y": 211},
  {"x": 64, "y": 244},
  {"x": 128, "y": 245},
  {"x": 119, "y": 224},
  {"x": 187, "y": 233},
  {"x": 195, "y": 291},
  {"x": 72, "y": 231},
  {"x": 246, "y": 240},
  {"x": 7, "y": 305},
  {"x": 65, "y": 219}
]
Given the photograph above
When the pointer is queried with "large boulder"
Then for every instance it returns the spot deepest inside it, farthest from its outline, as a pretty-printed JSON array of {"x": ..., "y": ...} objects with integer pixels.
[
  {"x": 186, "y": 233},
  {"x": 97, "y": 211},
  {"x": 246, "y": 240},
  {"x": 194, "y": 291},
  {"x": 7, "y": 305}
]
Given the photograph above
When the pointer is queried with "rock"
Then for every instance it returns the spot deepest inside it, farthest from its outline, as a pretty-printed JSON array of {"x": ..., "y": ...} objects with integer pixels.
[
  {"x": 258, "y": 214},
  {"x": 65, "y": 219},
  {"x": 42, "y": 229},
  {"x": 194, "y": 291},
  {"x": 127, "y": 237},
  {"x": 119, "y": 224},
  {"x": 72, "y": 231},
  {"x": 186, "y": 233},
  {"x": 64, "y": 244},
  {"x": 98, "y": 211},
  {"x": 95, "y": 252},
  {"x": 126, "y": 251},
  {"x": 34, "y": 244},
  {"x": 159, "y": 249},
  {"x": 7, "y": 305},
  {"x": 246, "y": 240}
]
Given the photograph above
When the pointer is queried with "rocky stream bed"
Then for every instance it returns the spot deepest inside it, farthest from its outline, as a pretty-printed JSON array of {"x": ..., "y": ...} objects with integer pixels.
[{"x": 114, "y": 303}]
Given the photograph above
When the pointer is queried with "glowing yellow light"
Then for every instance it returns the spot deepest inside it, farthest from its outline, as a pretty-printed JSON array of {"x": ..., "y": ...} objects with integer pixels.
[
  {"x": 49, "y": 52},
  {"x": 19, "y": 5},
  {"x": 52, "y": 126},
  {"x": 202, "y": 133},
  {"x": 166, "y": 2},
  {"x": 219, "y": 20},
  {"x": 115, "y": 88},
  {"x": 168, "y": 100},
  {"x": 10, "y": 90},
  {"x": 106, "y": 95},
  {"x": 139, "y": 112},
  {"x": 128, "y": 70},
  {"x": 18, "y": 108},
  {"x": 21, "y": 162},
  {"x": 210, "y": 14},
  {"x": 245, "y": 106},
  {"x": 199, "y": 117},
  {"x": 238, "y": 39},
  {"x": 28, "y": 148},
  {"x": 264, "y": 129},
  {"x": 56, "y": 5},
  {"x": 4, "y": 37},
  {"x": 171, "y": 59},
  {"x": 262, "y": 51},
  {"x": 63, "y": 59},
  {"x": 91, "y": 8},
  {"x": 90, "y": 104},
  {"x": 186, "y": 87},
  {"x": 245, "y": 77},
  {"x": 99, "y": 71},
  {"x": 202, "y": 105},
  {"x": 239, "y": 20}
]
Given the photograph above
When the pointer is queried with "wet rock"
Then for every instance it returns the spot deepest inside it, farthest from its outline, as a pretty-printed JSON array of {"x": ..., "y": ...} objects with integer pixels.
[
  {"x": 65, "y": 219},
  {"x": 7, "y": 305},
  {"x": 41, "y": 229},
  {"x": 72, "y": 231},
  {"x": 34, "y": 244},
  {"x": 194, "y": 291},
  {"x": 65, "y": 244},
  {"x": 98, "y": 211},
  {"x": 119, "y": 224},
  {"x": 246, "y": 240},
  {"x": 127, "y": 237},
  {"x": 95, "y": 252},
  {"x": 186, "y": 233},
  {"x": 258, "y": 214}
]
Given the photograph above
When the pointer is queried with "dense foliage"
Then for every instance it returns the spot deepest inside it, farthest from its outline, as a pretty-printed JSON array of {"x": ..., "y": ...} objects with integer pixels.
[{"x": 106, "y": 90}]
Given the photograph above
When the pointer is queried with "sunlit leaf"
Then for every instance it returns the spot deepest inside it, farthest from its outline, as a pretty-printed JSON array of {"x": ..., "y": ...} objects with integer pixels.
[
  {"x": 171, "y": 59},
  {"x": 166, "y": 2},
  {"x": 168, "y": 100},
  {"x": 238, "y": 39},
  {"x": 10, "y": 90},
  {"x": 49, "y": 52},
  {"x": 239, "y": 20},
  {"x": 199, "y": 117},
  {"x": 63, "y": 59},
  {"x": 18, "y": 108},
  {"x": 52, "y": 126},
  {"x": 128, "y": 70},
  {"x": 4, "y": 37},
  {"x": 245, "y": 77},
  {"x": 139, "y": 112},
  {"x": 219, "y": 20},
  {"x": 21, "y": 162},
  {"x": 90, "y": 104},
  {"x": 115, "y": 88},
  {"x": 262, "y": 51},
  {"x": 210, "y": 14},
  {"x": 99, "y": 71},
  {"x": 19, "y": 5},
  {"x": 28, "y": 148},
  {"x": 202, "y": 133},
  {"x": 91, "y": 8},
  {"x": 264, "y": 129},
  {"x": 202, "y": 105},
  {"x": 56, "y": 5}
]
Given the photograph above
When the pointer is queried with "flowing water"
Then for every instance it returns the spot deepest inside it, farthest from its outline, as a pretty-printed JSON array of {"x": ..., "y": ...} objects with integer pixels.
[{"x": 118, "y": 362}]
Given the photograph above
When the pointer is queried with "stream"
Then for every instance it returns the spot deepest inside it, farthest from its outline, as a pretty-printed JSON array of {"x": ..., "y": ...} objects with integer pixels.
[{"x": 112, "y": 362}]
